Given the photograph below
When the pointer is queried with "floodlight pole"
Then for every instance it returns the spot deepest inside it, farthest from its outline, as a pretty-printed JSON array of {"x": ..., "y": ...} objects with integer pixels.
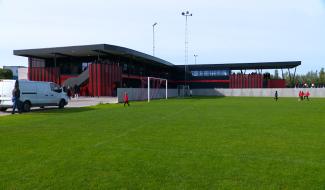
[
  {"x": 153, "y": 38},
  {"x": 186, "y": 14},
  {"x": 195, "y": 56}
]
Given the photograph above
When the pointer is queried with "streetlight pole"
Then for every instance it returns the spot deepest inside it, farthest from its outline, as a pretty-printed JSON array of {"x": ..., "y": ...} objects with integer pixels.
[
  {"x": 195, "y": 56},
  {"x": 186, "y": 14},
  {"x": 153, "y": 38}
]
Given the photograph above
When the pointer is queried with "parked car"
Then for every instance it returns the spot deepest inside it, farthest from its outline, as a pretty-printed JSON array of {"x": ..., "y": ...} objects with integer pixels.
[{"x": 32, "y": 94}]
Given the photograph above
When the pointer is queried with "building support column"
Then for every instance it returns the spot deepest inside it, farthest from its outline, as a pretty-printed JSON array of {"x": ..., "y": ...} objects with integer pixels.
[
  {"x": 56, "y": 71},
  {"x": 294, "y": 76},
  {"x": 290, "y": 78}
]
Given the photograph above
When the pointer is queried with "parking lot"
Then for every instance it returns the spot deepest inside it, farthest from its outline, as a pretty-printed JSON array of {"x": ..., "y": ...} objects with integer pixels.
[{"x": 76, "y": 103}]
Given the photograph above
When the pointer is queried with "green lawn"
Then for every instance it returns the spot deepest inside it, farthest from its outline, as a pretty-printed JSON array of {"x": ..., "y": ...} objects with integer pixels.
[{"x": 199, "y": 143}]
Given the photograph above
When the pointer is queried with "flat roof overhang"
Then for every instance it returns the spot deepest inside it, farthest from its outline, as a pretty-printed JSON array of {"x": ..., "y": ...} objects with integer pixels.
[
  {"x": 105, "y": 49},
  {"x": 89, "y": 51},
  {"x": 245, "y": 66}
]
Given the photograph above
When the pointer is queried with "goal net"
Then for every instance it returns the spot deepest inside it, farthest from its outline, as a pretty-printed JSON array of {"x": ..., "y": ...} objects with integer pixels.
[
  {"x": 157, "y": 88},
  {"x": 184, "y": 91}
]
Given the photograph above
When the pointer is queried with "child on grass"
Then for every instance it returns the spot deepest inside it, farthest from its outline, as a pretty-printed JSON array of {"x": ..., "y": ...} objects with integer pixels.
[{"x": 126, "y": 99}]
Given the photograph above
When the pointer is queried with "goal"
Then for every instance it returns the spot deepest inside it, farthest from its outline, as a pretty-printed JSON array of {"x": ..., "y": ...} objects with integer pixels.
[
  {"x": 157, "y": 88},
  {"x": 184, "y": 91}
]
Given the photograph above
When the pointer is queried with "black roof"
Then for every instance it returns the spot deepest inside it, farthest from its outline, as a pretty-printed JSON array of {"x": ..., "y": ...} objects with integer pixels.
[
  {"x": 246, "y": 66},
  {"x": 88, "y": 50},
  {"x": 105, "y": 49}
]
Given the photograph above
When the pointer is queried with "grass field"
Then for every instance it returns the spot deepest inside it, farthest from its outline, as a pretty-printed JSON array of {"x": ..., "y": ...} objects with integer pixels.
[{"x": 199, "y": 143}]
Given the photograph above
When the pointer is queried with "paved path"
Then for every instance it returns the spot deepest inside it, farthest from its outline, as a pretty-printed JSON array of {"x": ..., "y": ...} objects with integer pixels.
[
  {"x": 91, "y": 101},
  {"x": 77, "y": 103}
]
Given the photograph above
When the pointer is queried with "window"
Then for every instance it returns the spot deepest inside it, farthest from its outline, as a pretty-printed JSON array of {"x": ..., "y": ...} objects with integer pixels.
[
  {"x": 55, "y": 87},
  {"x": 195, "y": 73},
  {"x": 125, "y": 67},
  {"x": 37, "y": 62},
  {"x": 210, "y": 73}
]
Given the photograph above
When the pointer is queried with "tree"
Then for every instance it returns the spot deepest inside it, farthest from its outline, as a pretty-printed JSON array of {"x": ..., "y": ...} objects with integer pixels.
[
  {"x": 322, "y": 76},
  {"x": 5, "y": 74}
]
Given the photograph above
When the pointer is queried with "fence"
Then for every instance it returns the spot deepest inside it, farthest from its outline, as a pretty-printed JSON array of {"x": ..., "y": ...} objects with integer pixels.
[
  {"x": 259, "y": 92},
  {"x": 142, "y": 93}
]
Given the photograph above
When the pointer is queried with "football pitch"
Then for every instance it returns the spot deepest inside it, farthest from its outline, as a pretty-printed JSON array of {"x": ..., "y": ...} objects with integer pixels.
[{"x": 195, "y": 143}]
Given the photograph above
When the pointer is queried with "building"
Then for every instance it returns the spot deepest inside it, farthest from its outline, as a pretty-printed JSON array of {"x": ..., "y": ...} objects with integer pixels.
[
  {"x": 18, "y": 72},
  {"x": 101, "y": 69},
  {"x": 23, "y": 73}
]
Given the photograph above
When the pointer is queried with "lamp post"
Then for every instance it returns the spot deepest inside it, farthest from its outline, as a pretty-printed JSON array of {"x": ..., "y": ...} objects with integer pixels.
[
  {"x": 186, "y": 14},
  {"x": 195, "y": 56},
  {"x": 153, "y": 38}
]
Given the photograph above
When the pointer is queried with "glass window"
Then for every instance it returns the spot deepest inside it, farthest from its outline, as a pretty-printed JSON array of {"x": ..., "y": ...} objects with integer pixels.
[
  {"x": 125, "y": 67},
  {"x": 37, "y": 62},
  {"x": 55, "y": 87},
  {"x": 210, "y": 73},
  {"x": 195, "y": 73}
]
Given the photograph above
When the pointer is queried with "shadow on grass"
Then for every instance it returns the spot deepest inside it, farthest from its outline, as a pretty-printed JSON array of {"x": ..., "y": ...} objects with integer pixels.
[
  {"x": 181, "y": 98},
  {"x": 205, "y": 97},
  {"x": 63, "y": 111}
]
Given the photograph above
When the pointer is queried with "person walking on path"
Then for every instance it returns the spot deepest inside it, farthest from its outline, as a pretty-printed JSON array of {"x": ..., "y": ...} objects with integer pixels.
[{"x": 16, "y": 99}]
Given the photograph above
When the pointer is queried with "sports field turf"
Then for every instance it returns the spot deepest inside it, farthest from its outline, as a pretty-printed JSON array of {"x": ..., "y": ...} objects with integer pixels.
[{"x": 199, "y": 143}]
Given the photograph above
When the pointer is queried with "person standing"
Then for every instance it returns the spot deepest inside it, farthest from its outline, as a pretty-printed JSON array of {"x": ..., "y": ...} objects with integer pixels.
[
  {"x": 301, "y": 95},
  {"x": 69, "y": 93},
  {"x": 276, "y": 96},
  {"x": 307, "y": 95},
  {"x": 16, "y": 99},
  {"x": 126, "y": 99},
  {"x": 76, "y": 91}
]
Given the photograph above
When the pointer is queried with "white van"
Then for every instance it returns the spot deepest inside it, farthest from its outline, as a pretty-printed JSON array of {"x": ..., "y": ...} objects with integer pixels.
[{"x": 32, "y": 94}]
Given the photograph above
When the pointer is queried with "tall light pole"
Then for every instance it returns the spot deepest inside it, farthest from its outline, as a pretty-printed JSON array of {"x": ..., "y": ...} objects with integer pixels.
[
  {"x": 195, "y": 56},
  {"x": 186, "y": 14},
  {"x": 153, "y": 38}
]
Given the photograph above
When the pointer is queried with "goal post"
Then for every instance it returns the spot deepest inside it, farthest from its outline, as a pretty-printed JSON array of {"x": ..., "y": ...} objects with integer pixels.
[
  {"x": 156, "y": 86},
  {"x": 184, "y": 90}
]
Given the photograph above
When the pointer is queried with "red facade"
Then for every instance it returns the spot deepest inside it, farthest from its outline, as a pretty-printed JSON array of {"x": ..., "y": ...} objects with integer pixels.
[
  {"x": 44, "y": 74},
  {"x": 276, "y": 83},
  {"x": 38, "y": 72},
  {"x": 103, "y": 79},
  {"x": 246, "y": 81}
]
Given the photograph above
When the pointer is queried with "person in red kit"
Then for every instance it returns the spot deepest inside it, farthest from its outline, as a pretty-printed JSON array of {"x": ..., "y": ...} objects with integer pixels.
[
  {"x": 126, "y": 99},
  {"x": 301, "y": 96},
  {"x": 307, "y": 95}
]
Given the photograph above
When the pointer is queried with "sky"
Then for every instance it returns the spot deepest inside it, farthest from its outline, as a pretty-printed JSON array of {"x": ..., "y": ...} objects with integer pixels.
[{"x": 220, "y": 31}]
